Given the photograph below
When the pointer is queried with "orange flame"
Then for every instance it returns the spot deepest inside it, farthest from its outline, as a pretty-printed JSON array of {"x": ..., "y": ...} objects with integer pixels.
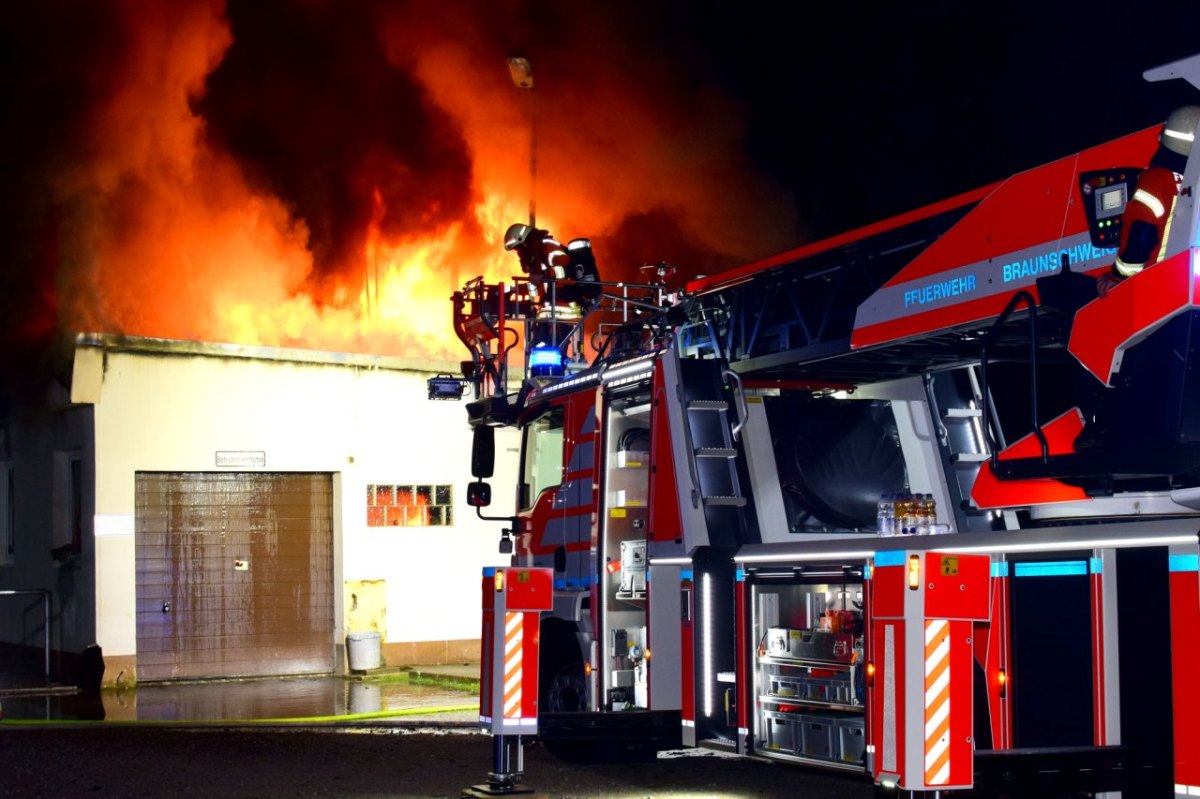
[{"x": 163, "y": 232}]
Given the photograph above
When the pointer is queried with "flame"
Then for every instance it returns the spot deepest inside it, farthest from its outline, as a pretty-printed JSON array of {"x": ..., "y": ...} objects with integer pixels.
[
  {"x": 400, "y": 304},
  {"x": 160, "y": 220}
]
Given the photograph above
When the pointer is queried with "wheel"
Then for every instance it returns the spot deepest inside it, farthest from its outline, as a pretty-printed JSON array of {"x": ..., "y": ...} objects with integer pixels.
[
  {"x": 565, "y": 691},
  {"x": 561, "y": 687}
]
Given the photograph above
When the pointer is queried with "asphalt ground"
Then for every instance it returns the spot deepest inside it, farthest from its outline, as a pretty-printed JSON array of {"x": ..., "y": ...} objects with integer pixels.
[
  {"x": 421, "y": 759},
  {"x": 410, "y": 734}
]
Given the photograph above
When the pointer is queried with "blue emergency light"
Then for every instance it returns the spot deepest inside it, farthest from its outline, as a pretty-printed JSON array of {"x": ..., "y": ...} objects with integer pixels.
[{"x": 545, "y": 361}]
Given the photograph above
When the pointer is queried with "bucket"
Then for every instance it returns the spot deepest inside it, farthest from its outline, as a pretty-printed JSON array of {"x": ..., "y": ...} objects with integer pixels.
[{"x": 363, "y": 651}]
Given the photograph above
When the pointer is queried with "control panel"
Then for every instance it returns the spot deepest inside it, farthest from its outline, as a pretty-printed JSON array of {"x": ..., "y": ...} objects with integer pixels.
[{"x": 1106, "y": 192}]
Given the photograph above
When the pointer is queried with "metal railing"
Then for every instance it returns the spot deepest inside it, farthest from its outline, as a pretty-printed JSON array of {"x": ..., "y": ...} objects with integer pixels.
[{"x": 1017, "y": 299}]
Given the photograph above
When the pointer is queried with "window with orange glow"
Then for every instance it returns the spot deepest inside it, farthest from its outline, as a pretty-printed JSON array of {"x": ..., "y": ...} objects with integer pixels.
[{"x": 410, "y": 506}]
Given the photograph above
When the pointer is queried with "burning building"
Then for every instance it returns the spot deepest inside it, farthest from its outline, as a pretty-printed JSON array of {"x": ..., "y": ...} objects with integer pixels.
[{"x": 308, "y": 181}]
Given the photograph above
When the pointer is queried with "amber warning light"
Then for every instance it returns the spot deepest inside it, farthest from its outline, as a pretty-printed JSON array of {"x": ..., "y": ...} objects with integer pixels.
[{"x": 914, "y": 572}]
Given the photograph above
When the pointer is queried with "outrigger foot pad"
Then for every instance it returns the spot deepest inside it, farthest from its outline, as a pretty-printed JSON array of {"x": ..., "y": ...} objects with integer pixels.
[{"x": 496, "y": 789}]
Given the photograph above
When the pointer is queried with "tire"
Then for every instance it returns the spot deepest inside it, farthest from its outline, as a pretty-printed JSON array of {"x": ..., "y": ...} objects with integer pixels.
[
  {"x": 560, "y": 679},
  {"x": 564, "y": 691}
]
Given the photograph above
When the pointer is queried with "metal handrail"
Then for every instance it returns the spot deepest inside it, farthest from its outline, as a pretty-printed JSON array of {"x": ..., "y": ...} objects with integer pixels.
[
  {"x": 739, "y": 395},
  {"x": 45, "y": 595},
  {"x": 1017, "y": 299}
]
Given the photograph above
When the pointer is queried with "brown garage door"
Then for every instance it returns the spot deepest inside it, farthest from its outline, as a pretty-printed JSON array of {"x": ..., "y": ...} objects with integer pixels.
[{"x": 234, "y": 574}]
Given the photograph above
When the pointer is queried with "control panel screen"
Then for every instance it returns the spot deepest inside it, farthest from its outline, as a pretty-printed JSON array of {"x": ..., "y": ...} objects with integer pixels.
[{"x": 1110, "y": 201}]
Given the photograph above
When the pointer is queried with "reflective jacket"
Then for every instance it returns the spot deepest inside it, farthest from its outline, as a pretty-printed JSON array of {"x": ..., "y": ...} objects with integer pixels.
[{"x": 1146, "y": 223}]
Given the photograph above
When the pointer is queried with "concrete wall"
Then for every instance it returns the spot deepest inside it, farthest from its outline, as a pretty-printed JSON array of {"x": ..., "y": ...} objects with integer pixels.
[{"x": 366, "y": 423}]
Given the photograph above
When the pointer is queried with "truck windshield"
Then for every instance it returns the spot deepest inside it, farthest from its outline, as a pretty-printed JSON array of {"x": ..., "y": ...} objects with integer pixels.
[{"x": 542, "y": 461}]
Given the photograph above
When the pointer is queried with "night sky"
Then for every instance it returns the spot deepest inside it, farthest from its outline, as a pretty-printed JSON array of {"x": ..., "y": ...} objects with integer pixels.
[
  {"x": 866, "y": 110},
  {"x": 136, "y": 135}
]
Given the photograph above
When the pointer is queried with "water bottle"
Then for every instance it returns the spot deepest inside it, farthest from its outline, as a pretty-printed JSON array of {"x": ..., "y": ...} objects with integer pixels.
[
  {"x": 912, "y": 509},
  {"x": 923, "y": 511},
  {"x": 885, "y": 518},
  {"x": 903, "y": 503}
]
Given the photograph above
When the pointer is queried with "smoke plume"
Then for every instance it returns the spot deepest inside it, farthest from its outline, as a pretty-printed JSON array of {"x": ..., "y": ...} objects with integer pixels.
[{"x": 323, "y": 174}]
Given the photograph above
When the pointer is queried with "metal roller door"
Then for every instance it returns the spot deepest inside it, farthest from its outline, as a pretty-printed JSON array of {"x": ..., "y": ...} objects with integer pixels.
[{"x": 234, "y": 574}]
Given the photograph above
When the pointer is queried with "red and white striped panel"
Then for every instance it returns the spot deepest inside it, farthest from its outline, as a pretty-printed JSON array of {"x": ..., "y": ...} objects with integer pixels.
[
  {"x": 514, "y": 639},
  {"x": 937, "y": 702}
]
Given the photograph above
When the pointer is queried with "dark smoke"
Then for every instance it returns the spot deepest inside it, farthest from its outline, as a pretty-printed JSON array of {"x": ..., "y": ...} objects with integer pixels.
[
  {"x": 49, "y": 87},
  {"x": 308, "y": 103},
  {"x": 211, "y": 169},
  {"x": 650, "y": 238}
]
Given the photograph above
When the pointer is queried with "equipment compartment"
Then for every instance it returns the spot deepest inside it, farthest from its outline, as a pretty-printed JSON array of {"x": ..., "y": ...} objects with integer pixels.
[{"x": 808, "y": 682}]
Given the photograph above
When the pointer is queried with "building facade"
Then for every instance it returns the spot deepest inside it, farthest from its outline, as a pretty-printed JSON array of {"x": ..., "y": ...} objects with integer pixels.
[{"x": 207, "y": 510}]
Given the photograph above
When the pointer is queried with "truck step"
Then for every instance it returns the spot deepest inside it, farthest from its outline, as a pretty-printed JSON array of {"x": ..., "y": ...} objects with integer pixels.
[
  {"x": 716, "y": 452},
  {"x": 735, "y": 502},
  {"x": 707, "y": 405}
]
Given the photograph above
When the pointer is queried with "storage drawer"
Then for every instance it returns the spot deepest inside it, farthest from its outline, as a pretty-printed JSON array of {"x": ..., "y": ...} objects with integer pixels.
[
  {"x": 781, "y": 733},
  {"x": 851, "y": 740},
  {"x": 829, "y": 690},
  {"x": 788, "y": 686},
  {"x": 818, "y": 740}
]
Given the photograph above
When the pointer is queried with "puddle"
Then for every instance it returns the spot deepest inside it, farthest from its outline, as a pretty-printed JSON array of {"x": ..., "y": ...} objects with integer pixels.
[{"x": 240, "y": 700}]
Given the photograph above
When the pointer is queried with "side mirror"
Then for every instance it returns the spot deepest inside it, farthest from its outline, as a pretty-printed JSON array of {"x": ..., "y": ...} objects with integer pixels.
[
  {"x": 479, "y": 494},
  {"x": 483, "y": 452}
]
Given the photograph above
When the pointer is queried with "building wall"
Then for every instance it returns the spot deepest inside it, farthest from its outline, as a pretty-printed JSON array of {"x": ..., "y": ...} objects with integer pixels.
[
  {"x": 38, "y": 448},
  {"x": 366, "y": 424}
]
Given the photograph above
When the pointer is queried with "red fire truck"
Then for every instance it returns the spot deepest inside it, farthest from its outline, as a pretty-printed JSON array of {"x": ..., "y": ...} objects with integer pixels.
[{"x": 711, "y": 488}]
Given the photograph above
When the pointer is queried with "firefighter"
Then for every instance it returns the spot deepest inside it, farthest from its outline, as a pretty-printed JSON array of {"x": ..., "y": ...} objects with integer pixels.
[
  {"x": 546, "y": 261},
  {"x": 1146, "y": 223}
]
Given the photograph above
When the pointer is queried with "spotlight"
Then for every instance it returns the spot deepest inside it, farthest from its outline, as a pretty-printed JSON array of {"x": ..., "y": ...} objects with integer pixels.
[{"x": 446, "y": 387}]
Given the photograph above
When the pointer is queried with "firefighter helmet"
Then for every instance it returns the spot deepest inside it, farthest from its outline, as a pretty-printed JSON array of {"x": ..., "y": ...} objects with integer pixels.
[
  {"x": 1180, "y": 129},
  {"x": 515, "y": 235}
]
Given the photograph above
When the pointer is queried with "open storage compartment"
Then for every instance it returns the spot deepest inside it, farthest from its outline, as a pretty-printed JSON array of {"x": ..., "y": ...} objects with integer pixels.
[{"x": 808, "y": 680}]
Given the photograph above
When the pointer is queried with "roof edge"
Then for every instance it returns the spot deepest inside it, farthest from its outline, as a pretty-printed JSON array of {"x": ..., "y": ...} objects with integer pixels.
[{"x": 116, "y": 342}]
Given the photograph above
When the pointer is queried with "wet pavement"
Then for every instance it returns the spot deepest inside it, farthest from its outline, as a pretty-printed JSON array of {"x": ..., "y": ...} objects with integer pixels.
[
  {"x": 377, "y": 735},
  {"x": 126, "y": 760},
  {"x": 447, "y": 693}
]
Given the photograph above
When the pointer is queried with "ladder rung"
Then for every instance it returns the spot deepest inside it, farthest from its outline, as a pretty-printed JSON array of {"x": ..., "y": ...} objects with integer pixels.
[
  {"x": 707, "y": 405},
  {"x": 962, "y": 413},
  {"x": 969, "y": 457},
  {"x": 716, "y": 452},
  {"x": 736, "y": 502}
]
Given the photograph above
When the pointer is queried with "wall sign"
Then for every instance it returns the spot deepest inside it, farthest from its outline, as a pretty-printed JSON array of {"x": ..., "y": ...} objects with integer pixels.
[{"x": 241, "y": 459}]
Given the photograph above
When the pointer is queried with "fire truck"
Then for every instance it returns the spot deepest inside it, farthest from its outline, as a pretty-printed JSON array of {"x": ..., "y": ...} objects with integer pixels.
[{"x": 714, "y": 478}]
